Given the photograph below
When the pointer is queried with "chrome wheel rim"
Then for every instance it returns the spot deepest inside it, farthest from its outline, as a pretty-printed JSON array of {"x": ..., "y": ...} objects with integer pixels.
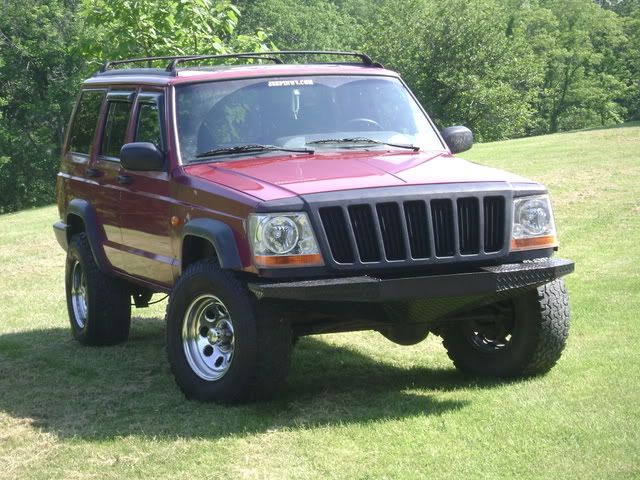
[
  {"x": 79, "y": 300},
  {"x": 490, "y": 343},
  {"x": 207, "y": 337},
  {"x": 495, "y": 334}
]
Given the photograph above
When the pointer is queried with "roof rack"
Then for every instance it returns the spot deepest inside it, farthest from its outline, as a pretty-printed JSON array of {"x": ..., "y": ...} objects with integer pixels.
[
  {"x": 178, "y": 58},
  {"x": 175, "y": 60}
]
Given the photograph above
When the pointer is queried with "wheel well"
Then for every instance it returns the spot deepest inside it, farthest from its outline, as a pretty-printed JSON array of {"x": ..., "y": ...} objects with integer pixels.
[
  {"x": 196, "y": 248},
  {"x": 75, "y": 223}
]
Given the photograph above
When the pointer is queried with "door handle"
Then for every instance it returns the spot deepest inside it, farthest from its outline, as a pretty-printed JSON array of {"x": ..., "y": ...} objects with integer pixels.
[
  {"x": 124, "y": 179},
  {"x": 93, "y": 173}
]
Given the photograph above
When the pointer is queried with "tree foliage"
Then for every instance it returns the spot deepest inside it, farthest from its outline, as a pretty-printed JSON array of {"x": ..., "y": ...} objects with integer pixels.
[
  {"x": 130, "y": 28},
  {"x": 469, "y": 71},
  {"x": 39, "y": 69},
  {"x": 46, "y": 48},
  {"x": 505, "y": 68},
  {"x": 578, "y": 48},
  {"x": 303, "y": 25}
]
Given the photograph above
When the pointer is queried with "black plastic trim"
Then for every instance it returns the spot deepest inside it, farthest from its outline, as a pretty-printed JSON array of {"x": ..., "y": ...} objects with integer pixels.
[
  {"x": 220, "y": 235},
  {"x": 290, "y": 204},
  {"x": 399, "y": 195},
  {"x": 61, "y": 231},
  {"x": 86, "y": 212},
  {"x": 482, "y": 281}
]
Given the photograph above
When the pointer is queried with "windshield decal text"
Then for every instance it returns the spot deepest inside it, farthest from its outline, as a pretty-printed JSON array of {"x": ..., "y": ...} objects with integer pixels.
[{"x": 290, "y": 83}]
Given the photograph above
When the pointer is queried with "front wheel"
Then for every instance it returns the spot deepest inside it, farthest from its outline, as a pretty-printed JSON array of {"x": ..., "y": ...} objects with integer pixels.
[
  {"x": 518, "y": 337},
  {"x": 222, "y": 345}
]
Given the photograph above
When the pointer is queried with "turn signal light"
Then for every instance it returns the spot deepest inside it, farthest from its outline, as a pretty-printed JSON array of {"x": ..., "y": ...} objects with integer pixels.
[
  {"x": 288, "y": 260},
  {"x": 547, "y": 241}
]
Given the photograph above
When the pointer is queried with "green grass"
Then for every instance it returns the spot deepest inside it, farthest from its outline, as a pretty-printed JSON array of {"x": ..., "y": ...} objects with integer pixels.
[{"x": 357, "y": 406}]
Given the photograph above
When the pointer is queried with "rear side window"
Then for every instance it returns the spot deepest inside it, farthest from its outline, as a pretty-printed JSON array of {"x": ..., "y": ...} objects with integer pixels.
[
  {"x": 85, "y": 121},
  {"x": 148, "y": 128},
  {"x": 115, "y": 128}
]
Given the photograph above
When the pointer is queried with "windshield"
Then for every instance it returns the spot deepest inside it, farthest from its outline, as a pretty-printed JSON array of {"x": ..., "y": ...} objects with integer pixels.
[{"x": 323, "y": 113}]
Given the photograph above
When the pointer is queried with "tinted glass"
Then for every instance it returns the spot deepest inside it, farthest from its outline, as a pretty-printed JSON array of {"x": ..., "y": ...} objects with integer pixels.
[
  {"x": 85, "y": 120},
  {"x": 115, "y": 128},
  {"x": 148, "y": 128},
  {"x": 292, "y": 111}
]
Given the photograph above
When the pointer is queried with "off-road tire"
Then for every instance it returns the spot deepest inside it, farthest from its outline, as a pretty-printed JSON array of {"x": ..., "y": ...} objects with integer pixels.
[
  {"x": 108, "y": 306},
  {"x": 541, "y": 318},
  {"x": 262, "y": 339}
]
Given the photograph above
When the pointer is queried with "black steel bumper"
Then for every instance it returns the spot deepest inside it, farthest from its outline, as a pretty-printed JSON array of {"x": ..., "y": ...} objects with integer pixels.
[{"x": 480, "y": 282}]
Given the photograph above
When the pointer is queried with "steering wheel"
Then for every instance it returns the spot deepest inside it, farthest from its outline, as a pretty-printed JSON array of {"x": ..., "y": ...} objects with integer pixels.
[{"x": 366, "y": 122}]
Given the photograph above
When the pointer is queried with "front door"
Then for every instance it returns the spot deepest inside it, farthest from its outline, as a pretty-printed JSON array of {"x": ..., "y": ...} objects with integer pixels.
[{"x": 145, "y": 207}]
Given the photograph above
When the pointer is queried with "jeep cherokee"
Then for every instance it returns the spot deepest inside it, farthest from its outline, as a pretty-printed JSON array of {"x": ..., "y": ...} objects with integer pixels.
[{"x": 272, "y": 199}]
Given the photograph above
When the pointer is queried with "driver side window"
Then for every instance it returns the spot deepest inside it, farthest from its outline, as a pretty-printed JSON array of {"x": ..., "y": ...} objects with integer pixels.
[
  {"x": 148, "y": 125},
  {"x": 115, "y": 128}
]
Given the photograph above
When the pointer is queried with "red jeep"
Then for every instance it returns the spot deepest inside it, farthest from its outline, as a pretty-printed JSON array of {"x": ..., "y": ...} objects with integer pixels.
[{"x": 273, "y": 200}]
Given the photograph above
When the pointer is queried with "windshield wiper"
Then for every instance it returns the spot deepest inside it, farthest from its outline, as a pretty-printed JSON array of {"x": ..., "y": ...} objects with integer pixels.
[
  {"x": 338, "y": 141},
  {"x": 250, "y": 148}
]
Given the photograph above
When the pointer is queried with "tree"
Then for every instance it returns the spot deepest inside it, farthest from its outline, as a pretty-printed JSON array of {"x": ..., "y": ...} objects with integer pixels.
[
  {"x": 129, "y": 28},
  {"x": 631, "y": 57},
  {"x": 461, "y": 61},
  {"x": 303, "y": 24},
  {"x": 584, "y": 77},
  {"x": 46, "y": 48},
  {"x": 40, "y": 66}
]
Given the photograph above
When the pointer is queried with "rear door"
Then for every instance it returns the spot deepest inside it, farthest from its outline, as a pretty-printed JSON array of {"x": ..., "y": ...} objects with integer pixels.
[
  {"x": 92, "y": 176},
  {"x": 77, "y": 169},
  {"x": 145, "y": 207},
  {"x": 106, "y": 169}
]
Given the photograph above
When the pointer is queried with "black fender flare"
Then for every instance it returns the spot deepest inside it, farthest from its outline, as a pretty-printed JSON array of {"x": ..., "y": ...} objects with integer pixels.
[
  {"x": 221, "y": 237},
  {"x": 83, "y": 209}
]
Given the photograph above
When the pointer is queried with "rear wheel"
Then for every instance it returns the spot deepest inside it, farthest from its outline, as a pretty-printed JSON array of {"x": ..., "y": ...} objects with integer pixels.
[
  {"x": 222, "y": 345},
  {"x": 99, "y": 305},
  {"x": 518, "y": 337}
]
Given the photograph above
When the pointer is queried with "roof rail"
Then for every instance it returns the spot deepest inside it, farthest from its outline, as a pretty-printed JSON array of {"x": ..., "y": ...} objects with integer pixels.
[{"x": 175, "y": 60}]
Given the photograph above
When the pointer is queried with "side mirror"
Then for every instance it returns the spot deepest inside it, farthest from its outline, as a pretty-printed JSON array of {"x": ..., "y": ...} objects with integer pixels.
[
  {"x": 141, "y": 156},
  {"x": 459, "y": 139}
]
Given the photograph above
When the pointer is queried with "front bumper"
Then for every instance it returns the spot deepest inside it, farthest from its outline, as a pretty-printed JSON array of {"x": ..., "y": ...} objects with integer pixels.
[{"x": 481, "y": 282}]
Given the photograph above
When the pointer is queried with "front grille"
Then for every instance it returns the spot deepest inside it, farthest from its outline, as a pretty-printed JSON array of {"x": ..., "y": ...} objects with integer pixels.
[{"x": 416, "y": 230}]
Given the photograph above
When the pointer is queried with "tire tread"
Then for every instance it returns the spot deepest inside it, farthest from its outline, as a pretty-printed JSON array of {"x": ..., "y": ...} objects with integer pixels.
[
  {"x": 109, "y": 318},
  {"x": 272, "y": 346}
]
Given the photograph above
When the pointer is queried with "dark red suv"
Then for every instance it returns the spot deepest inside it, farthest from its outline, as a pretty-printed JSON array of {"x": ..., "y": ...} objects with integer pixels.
[{"x": 274, "y": 200}]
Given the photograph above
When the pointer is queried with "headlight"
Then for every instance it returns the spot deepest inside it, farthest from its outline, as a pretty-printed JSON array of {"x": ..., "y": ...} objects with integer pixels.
[
  {"x": 533, "y": 225},
  {"x": 283, "y": 240}
]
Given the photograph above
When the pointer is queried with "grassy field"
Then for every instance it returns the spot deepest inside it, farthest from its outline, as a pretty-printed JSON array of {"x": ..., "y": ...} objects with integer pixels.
[{"x": 357, "y": 406}]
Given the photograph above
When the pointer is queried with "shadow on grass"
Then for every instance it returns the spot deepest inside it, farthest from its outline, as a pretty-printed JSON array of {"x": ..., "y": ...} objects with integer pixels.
[{"x": 102, "y": 393}]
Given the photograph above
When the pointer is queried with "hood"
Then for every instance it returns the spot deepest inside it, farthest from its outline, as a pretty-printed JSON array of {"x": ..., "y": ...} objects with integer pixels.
[{"x": 273, "y": 178}]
